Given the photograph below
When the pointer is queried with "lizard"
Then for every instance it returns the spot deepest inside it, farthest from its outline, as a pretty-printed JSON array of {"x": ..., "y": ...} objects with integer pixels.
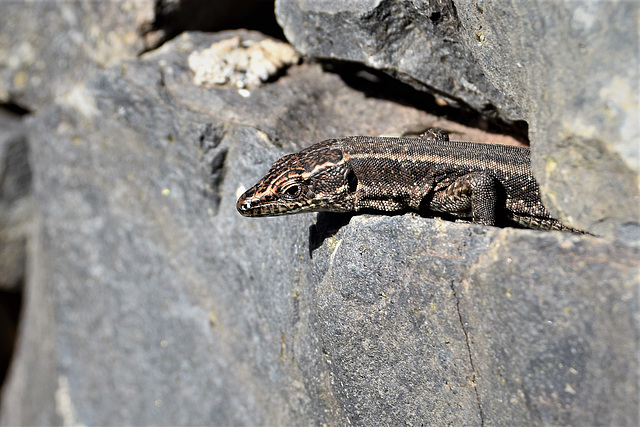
[{"x": 488, "y": 184}]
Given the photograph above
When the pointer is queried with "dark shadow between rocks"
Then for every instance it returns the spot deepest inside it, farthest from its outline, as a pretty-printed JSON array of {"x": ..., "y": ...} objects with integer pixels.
[
  {"x": 378, "y": 84},
  {"x": 327, "y": 224},
  {"x": 176, "y": 17}
]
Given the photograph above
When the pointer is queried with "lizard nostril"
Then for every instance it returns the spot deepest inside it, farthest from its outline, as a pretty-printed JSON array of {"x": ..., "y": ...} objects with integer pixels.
[{"x": 243, "y": 206}]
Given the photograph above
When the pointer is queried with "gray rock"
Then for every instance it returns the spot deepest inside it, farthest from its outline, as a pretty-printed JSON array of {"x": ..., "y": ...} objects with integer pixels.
[
  {"x": 152, "y": 301},
  {"x": 570, "y": 72},
  {"x": 419, "y": 42},
  {"x": 446, "y": 324},
  {"x": 574, "y": 71},
  {"x": 551, "y": 322},
  {"x": 46, "y": 47}
]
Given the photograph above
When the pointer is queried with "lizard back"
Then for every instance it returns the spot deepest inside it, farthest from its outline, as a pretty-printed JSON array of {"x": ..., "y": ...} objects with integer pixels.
[{"x": 420, "y": 166}]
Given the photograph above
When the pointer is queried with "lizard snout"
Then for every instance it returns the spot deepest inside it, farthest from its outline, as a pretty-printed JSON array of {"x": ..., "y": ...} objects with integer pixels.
[
  {"x": 245, "y": 204},
  {"x": 256, "y": 202}
]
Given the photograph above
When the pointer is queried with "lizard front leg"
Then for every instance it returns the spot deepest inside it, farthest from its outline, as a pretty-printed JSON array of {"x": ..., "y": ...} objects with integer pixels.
[{"x": 474, "y": 195}]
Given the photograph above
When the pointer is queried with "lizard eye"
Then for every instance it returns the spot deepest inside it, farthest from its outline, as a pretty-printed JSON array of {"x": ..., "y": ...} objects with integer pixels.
[{"x": 291, "y": 191}]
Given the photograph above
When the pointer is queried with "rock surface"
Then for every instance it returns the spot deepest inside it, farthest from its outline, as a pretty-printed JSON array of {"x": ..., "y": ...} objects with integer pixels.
[
  {"x": 151, "y": 301},
  {"x": 46, "y": 47},
  {"x": 578, "y": 86},
  {"x": 419, "y": 42},
  {"x": 570, "y": 72}
]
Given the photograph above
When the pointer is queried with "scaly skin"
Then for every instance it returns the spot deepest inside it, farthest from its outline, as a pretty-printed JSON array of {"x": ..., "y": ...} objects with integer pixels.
[{"x": 485, "y": 183}]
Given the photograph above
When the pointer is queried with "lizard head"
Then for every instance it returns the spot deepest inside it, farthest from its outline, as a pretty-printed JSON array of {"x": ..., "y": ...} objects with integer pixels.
[{"x": 316, "y": 179}]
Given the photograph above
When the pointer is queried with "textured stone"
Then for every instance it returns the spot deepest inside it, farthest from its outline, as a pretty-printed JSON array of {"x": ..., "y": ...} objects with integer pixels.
[
  {"x": 46, "y": 47},
  {"x": 551, "y": 326},
  {"x": 572, "y": 71},
  {"x": 152, "y": 301},
  {"x": 537, "y": 326},
  {"x": 245, "y": 65},
  {"x": 418, "y": 42}
]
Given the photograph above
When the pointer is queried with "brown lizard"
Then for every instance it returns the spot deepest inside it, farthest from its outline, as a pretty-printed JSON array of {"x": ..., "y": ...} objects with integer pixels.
[{"x": 488, "y": 184}]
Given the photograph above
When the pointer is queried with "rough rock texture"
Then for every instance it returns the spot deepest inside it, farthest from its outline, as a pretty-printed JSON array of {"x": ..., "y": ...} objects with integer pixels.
[
  {"x": 570, "y": 72},
  {"x": 46, "y": 47},
  {"x": 420, "y": 42},
  {"x": 151, "y": 301},
  {"x": 241, "y": 63},
  {"x": 574, "y": 71}
]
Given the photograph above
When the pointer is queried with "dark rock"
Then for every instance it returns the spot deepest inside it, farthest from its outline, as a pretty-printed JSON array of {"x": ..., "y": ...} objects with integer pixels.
[
  {"x": 176, "y": 16},
  {"x": 419, "y": 42},
  {"x": 15, "y": 201},
  {"x": 152, "y": 301},
  {"x": 443, "y": 323},
  {"x": 550, "y": 324}
]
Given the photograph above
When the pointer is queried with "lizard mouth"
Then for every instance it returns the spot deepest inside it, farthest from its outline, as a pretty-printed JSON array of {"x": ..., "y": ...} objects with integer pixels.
[
  {"x": 254, "y": 206},
  {"x": 249, "y": 206}
]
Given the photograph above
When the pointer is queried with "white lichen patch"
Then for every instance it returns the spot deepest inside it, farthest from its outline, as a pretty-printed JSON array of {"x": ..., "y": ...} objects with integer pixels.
[{"x": 243, "y": 64}]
